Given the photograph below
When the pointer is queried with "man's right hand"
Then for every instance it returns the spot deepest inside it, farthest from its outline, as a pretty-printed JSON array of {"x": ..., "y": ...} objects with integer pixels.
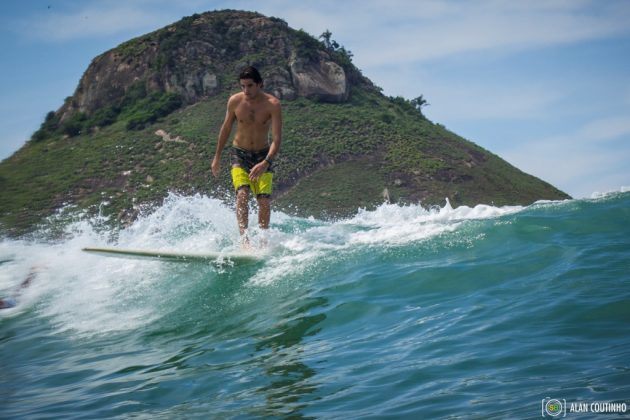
[{"x": 216, "y": 166}]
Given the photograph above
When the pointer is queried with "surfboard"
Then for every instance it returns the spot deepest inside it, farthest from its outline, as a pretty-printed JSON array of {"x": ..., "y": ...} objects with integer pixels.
[{"x": 235, "y": 257}]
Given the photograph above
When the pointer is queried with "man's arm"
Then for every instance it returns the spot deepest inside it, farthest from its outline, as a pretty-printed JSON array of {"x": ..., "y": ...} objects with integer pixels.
[
  {"x": 224, "y": 134},
  {"x": 276, "y": 130},
  {"x": 276, "y": 135}
]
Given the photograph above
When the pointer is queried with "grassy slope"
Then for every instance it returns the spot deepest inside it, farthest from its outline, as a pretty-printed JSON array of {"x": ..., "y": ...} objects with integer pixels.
[
  {"x": 377, "y": 143},
  {"x": 344, "y": 156}
]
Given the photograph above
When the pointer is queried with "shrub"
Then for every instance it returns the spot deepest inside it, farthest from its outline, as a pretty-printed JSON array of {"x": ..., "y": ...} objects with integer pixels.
[
  {"x": 150, "y": 109},
  {"x": 306, "y": 45},
  {"x": 104, "y": 117},
  {"x": 48, "y": 128},
  {"x": 74, "y": 125}
]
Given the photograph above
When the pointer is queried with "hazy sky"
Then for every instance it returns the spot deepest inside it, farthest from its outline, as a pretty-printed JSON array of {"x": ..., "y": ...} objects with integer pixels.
[{"x": 544, "y": 84}]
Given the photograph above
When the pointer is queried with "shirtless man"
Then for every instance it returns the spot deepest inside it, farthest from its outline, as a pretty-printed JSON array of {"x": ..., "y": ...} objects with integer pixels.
[{"x": 252, "y": 157}]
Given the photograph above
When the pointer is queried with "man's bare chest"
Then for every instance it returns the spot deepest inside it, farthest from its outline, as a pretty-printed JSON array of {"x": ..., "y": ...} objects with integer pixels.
[{"x": 249, "y": 114}]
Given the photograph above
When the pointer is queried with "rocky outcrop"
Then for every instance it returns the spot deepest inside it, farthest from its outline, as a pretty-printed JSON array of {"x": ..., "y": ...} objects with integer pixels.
[
  {"x": 168, "y": 138},
  {"x": 322, "y": 80},
  {"x": 201, "y": 56}
]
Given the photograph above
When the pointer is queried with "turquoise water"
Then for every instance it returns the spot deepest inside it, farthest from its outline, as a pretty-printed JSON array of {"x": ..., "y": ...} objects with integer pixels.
[{"x": 398, "y": 312}]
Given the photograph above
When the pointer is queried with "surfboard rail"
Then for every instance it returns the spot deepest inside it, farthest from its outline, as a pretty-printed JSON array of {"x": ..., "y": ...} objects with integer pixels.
[{"x": 175, "y": 256}]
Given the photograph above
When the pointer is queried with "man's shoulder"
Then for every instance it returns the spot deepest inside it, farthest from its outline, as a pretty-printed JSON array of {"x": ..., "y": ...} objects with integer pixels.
[
  {"x": 272, "y": 100},
  {"x": 236, "y": 98}
]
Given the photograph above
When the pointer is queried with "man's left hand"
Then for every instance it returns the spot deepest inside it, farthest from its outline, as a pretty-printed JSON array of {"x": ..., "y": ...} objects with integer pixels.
[{"x": 258, "y": 170}]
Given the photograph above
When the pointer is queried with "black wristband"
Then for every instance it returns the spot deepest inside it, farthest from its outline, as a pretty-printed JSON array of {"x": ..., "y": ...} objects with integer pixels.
[{"x": 269, "y": 161}]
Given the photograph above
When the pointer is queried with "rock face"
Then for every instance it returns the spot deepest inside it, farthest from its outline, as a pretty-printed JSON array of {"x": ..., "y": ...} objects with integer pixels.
[
  {"x": 201, "y": 55},
  {"x": 324, "y": 80}
]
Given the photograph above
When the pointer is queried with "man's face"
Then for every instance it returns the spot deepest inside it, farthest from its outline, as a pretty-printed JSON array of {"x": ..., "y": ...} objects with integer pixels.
[{"x": 250, "y": 88}]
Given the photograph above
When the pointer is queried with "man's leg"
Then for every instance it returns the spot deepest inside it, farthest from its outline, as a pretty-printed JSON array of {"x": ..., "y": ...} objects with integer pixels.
[
  {"x": 264, "y": 214},
  {"x": 264, "y": 211},
  {"x": 242, "y": 210}
]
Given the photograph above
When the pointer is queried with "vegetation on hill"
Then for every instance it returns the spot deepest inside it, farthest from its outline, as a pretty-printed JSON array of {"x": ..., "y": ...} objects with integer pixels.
[{"x": 136, "y": 109}]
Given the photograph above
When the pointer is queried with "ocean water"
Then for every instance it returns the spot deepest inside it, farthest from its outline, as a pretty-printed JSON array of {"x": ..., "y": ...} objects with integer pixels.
[{"x": 400, "y": 312}]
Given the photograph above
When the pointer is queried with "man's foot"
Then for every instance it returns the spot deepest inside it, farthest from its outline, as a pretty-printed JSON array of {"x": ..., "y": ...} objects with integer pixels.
[
  {"x": 263, "y": 239},
  {"x": 245, "y": 244}
]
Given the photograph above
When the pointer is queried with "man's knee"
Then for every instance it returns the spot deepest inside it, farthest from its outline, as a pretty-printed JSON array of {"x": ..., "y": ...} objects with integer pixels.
[
  {"x": 263, "y": 199},
  {"x": 242, "y": 193}
]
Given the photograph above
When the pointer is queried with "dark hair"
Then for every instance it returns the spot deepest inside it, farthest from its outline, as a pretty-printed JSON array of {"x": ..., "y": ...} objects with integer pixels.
[{"x": 250, "y": 72}]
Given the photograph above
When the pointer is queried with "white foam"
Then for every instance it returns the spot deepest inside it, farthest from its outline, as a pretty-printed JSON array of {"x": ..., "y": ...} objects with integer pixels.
[
  {"x": 196, "y": 223},
  {"x": 598, "y": 195},
  {"x": 386, "y": 226},
  {"x": 89, "y": 294},
  {"x": 397, "y": 225}
]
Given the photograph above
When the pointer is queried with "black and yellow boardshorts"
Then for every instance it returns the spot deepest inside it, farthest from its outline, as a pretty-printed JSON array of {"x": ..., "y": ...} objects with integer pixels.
[{"x": 242, "y": 162}]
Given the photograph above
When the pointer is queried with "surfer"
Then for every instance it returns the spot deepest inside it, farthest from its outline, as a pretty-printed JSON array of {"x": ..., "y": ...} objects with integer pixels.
[
  {"x": 254, "y": 111},
  {"x": 10, "y": 302}
]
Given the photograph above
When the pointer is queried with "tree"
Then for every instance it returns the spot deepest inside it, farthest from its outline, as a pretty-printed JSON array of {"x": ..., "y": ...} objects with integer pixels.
[
  {"x": 419, "y": 103},
  {"x": 326, "y": 39},
  {"x": 329, "y": 43},
  {"x": 337, "y": 49}
]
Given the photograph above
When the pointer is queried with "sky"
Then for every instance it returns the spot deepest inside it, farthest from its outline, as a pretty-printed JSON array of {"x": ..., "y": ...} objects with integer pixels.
[{"x": 544, "y": 84}]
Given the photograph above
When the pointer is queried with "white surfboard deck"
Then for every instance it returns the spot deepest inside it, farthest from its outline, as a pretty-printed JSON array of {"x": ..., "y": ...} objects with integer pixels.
[{"x": 242, "y": 257}]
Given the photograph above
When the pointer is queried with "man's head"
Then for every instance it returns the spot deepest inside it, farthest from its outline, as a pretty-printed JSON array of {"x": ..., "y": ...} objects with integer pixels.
[
  {"x": 7, "y": 303},
  {"x": 250, "y": 81}
]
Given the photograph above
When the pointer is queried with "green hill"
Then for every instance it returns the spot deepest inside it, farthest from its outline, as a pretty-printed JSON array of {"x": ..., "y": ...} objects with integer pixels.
[{"x": 145, "y": 118}]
